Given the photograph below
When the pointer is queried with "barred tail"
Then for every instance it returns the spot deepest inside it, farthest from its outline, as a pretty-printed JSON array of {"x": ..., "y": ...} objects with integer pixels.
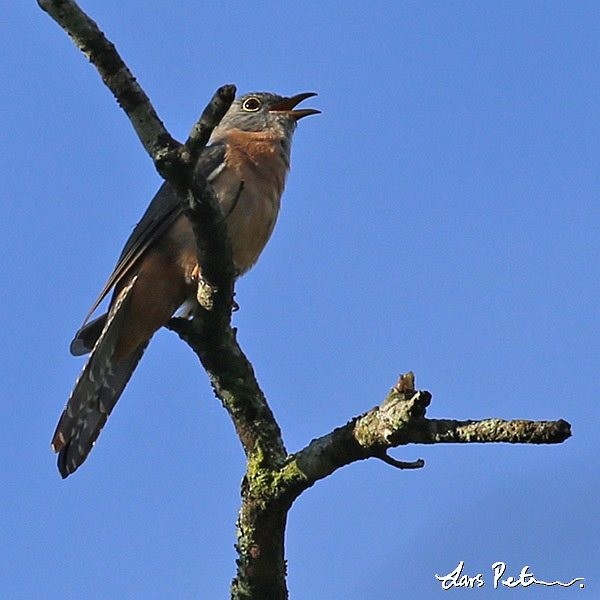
[{"x": 97, "y": 390}]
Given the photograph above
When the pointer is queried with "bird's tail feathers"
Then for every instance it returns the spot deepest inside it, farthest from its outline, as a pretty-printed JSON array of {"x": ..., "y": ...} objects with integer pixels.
[
  {"x": 85, "y": 339},
  {"x": 96, "y": 391}
]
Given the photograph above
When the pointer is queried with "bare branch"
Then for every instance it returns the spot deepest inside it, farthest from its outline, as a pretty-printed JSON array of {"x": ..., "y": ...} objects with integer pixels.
[
  {"x": 261, "y": 523},
  {"x": 87, "y": 36},
  {"x": 235, "y": 384},
  {"x": 398, "y": 421},
  {"x": 448, "y": 431},
  {"x": 210, "y": 118},
  {"x": 170, "y": 158},
  {"x": 400, "y": 464}
]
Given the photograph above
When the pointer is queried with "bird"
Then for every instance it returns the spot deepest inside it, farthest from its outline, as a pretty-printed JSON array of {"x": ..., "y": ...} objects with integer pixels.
[{"x": 246, "y": 162}]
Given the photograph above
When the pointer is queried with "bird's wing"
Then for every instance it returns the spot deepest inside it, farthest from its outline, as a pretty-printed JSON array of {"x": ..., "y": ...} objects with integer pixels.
[{"x": 163, "y": 211}]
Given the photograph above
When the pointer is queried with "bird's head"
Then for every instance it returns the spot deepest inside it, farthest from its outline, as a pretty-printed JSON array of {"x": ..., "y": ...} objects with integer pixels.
[{"x": 263, "y": 111}]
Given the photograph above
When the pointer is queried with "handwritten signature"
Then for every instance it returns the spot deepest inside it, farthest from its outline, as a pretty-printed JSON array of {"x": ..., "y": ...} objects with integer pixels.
[{"x": 456, "y": 578}]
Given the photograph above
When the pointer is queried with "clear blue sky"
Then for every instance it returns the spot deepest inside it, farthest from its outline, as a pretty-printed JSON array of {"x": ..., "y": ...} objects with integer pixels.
[{"x": 441, "y": 216}]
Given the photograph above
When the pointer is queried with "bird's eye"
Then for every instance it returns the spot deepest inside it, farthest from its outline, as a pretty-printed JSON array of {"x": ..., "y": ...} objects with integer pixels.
[{"x": 251, "y": 104}]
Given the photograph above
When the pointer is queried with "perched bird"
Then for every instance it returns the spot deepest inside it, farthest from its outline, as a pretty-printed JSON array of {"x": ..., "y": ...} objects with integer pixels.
[{"x": 246, "y": 162}]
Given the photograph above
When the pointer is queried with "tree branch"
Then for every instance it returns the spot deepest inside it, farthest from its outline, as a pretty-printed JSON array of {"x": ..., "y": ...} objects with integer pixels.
[
  {"x": 448, "y": 431},
  {"x": 87, "y": 36},
  {"x": 398, "y": 421},
  {"x": 168, "y": 155},
  {"x": 210, "y": 118},
  {"x": 235, "y": 384}
]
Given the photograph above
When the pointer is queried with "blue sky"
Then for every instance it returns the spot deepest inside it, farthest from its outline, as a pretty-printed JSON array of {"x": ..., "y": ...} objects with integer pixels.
[{"x": 440, "y": 216}]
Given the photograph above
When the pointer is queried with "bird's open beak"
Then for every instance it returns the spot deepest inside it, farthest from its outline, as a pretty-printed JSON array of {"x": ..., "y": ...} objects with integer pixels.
[{"x": 287, "y": 105}]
